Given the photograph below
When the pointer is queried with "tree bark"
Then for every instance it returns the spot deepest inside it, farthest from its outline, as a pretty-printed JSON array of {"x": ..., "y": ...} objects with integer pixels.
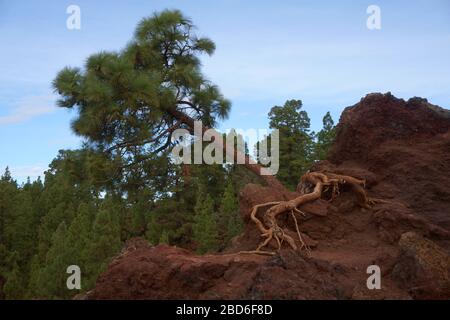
[{"x": 250, "y": 164}]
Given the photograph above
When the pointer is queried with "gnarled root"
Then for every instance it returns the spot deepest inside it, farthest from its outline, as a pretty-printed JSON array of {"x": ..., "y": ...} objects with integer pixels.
[{"x": 312, "y": 185}]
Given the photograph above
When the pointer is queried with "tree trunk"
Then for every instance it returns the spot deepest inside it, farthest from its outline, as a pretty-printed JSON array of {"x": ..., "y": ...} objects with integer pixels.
[{"x": 250, "y": 164}]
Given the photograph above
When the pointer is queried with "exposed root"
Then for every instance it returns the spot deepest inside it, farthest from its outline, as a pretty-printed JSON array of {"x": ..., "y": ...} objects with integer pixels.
[
  {"x": 304, "y": 245},
  {"x": 265, "y": 253},
  {"x": 312, "y": 187}
]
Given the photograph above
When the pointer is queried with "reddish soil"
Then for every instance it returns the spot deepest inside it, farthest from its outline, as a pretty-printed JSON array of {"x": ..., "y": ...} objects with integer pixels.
[{"x": 402, "y": 150}]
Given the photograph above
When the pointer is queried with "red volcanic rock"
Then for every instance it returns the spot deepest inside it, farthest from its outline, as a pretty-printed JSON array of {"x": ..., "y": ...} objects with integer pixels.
[
  {"x": 406, "y": 145},
  {"x": 165, "y": 272},
  {"x": 379, "y": 118},
  {"x": 402, "y": 150}
]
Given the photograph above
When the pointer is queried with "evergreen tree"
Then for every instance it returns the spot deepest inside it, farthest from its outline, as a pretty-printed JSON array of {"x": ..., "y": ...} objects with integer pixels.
[
  {"x": 14, "y": 285},
  {"x": 164, "y": 237},
  {"x": 3, "y": 269},
  {"x": 52, "y": 278},
  {"x": 105, "y": 241},
  {"x": 212, "y": 177},
  {"x": 3, "y": 262},
  {"x": 25, "y": 234},
  {"x": 205, "y": 226},
  {"x": 129, "y": 102},
  {"x": 229, "y": 209},
  {"x": 175, "y": 218},
  {"x": 154, "y": 232},
  {"x": 296, "y": 141},
  {"x": 6, "y": 177},
  {"x": 325, "y": 138},
  {"x": 139, "y": 218},
  {"x": 8, "y": 201},
  {"x": 78, "y": 241}
]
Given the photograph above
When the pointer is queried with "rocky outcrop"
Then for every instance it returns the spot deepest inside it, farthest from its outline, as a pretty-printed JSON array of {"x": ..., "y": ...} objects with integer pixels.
[
  {"x": 406, "y": 145},
  {"x": 402, "y": 150},
  {"x": 422, "y": 268}
]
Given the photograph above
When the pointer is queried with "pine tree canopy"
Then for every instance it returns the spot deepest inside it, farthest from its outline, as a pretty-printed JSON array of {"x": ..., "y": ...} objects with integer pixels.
[
  {"x": 289, "y": 118},
  {"x": 325, "y": 137},
  {"x": 128, "y": 102}
]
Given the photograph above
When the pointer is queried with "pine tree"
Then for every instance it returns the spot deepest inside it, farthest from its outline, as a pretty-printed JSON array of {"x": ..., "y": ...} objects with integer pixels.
[
  {"x": 139, "y": 218},
  {"x": 229, "y": 211},
  {"x": 4, "y": 254},
  {"x": 6, "y": 177},
  {"x": 173, "y": 216},
  {"x": 164, "y": 239},
  {"x": 14, "y": 285},
  {"x": 78, "y": 240},
  {"x": 3, "y": 269},
  {"x": 8, "y": 202},
  {"x": 52, "y": 278},
  {"x": 153, "y": 233},
  {"x": 24, "y": 238},
  {"x": 105, "y": 241},
  {"x": 296, "y": 141},
  {"x": 205, "y": 226},
  {"x": 325, "y": 138},
  {"x": 130, "y": 101}
]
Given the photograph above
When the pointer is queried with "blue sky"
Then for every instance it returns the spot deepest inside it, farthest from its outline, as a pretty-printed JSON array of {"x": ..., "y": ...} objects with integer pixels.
[{"x": 267, "y": 52}]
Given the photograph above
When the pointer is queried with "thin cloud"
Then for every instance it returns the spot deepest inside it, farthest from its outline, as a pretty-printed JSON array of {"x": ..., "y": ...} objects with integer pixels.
[
  {"x": 287, "y": 68},
  {"x": 28, "y": 108}
]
